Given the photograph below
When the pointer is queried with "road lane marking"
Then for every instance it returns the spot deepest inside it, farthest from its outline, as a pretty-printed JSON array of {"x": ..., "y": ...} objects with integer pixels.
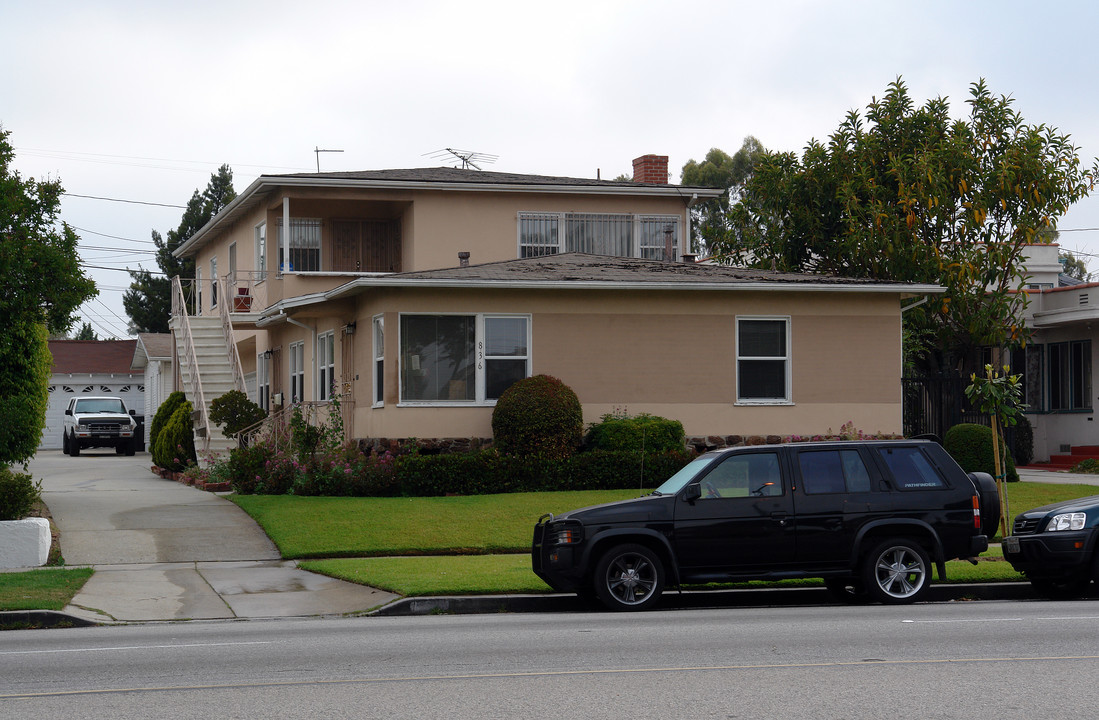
[
  {"x": 876, "y": 663},
  {"x": 996, "y": 620},
  {"x": 134, "y": 647}
]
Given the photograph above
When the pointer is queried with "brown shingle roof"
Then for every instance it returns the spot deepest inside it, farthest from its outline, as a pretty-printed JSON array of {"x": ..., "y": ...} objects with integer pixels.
[{"x": 92, "y": 356}]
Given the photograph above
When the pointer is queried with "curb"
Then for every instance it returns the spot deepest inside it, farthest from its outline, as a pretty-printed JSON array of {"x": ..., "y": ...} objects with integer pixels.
[
  {"x": 673, "y": 600},
  {"x": 26, "y": 619}
]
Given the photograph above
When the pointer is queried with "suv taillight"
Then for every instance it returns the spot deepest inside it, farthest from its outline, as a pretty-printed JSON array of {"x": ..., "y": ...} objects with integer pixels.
[{"x": 976, "y": 512}]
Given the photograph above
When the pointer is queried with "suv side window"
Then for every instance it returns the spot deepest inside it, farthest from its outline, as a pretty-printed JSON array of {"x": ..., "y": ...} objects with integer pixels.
[
  {"x": 744, "y": 475},
  {"x": 911, "y": 469},
  {"x": 833, "y": 471}
]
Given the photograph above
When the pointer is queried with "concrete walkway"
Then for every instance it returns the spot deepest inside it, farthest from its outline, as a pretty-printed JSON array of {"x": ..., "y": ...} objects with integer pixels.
[
  {"x": 1033, "y": 474},
  {"x": 165, "y": 551}
]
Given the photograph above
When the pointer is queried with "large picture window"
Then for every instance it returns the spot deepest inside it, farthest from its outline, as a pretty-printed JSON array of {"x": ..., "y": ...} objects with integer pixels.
[
  {"x": 763, "y": 360},
  {"x": 655, "y": 237},
  {"x": 302, "y": 252},
  {"x": 1070, "y": 375},
  {"x": 462, "y": 358}
]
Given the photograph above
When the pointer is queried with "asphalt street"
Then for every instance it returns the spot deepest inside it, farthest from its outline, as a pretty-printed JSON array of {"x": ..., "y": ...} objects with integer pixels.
[{"x": 939, "y": 660}]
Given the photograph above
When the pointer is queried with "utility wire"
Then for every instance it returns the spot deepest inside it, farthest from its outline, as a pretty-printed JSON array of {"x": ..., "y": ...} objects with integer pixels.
[{"x": 132, "y": 202}]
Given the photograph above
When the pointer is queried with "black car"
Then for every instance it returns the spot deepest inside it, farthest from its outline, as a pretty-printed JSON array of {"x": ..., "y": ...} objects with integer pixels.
[
  {"x": 1055, "y": 546},
  {"x": 870, "y": 517}
]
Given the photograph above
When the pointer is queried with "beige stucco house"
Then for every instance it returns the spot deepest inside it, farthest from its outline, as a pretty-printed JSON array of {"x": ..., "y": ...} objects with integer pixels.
[{"x": 418, "y": 296}]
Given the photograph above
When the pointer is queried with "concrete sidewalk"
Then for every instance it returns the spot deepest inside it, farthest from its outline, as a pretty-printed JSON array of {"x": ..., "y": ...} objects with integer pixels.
[
  {"x": 1031, "y": 473},
  {"x": 166, "y": 551}
]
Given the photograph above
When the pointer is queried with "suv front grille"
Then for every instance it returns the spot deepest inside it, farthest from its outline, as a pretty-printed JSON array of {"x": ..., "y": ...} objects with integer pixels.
[{"x": 1025, "y": 526}]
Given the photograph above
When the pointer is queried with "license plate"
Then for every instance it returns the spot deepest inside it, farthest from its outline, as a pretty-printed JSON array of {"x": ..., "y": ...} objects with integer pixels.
[{"x": 1011, "y": 544}]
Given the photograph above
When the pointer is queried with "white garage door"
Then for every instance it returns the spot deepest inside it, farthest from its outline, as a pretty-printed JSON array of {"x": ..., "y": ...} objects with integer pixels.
[{"x": 63, "y": 388}]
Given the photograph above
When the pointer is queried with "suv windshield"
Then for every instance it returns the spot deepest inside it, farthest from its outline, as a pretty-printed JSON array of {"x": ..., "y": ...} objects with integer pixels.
[
  {"x": 99, "y": 405},
  {"x": 679, "y": 481}
]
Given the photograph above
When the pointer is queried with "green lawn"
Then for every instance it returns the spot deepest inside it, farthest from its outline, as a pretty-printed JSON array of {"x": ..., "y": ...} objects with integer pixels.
[
  {"x": 46, "y": 589},
  {"x": 480, "y": 544},
  {"x": 328, "y": 527}
]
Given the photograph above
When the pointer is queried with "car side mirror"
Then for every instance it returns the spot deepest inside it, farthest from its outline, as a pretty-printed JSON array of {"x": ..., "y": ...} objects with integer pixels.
[
  {"x": 133, "y": 412},
  {"x": 692, "y": 492},
  {"x": 68, "y": 411}
]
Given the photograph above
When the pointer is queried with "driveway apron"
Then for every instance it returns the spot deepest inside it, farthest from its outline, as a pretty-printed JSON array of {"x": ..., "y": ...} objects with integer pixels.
[{"x": 166, "y": 551}]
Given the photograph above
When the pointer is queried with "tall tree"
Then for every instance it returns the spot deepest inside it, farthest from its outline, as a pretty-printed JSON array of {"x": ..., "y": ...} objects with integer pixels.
[
  {"x": 709, "y": 218},
  {"x": 43, "y": 287},
  {"x": 86, "y": 333},
  {"x": 148, "y": 302},
  {"x": 911, "y": 195}
]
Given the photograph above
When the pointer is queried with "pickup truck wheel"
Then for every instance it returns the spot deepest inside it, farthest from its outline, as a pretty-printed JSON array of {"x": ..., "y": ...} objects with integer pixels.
[
  {"x": 65, "y": 443},
  {"x": 74, "y": 447},
  {"x": 130, "y": 449},
  {"x": 629, "y": 577},
  {"x": 897, "y": 572},
  {"x": 118, "y": 450}
]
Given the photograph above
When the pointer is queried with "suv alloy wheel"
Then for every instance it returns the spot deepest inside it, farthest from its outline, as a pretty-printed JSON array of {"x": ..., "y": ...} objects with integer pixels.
[
  {"x": 629, "y": 577},
  {"x": 897, "y": 571}
]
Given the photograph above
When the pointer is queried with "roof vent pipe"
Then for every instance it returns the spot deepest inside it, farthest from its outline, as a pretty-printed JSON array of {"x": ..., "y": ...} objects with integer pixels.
[{"x": 463, "y": 258}]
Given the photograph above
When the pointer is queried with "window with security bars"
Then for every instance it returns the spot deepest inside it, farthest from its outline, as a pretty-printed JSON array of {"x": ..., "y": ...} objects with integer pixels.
[
  {"x": 763, "y": 360},
  {"x": 301, "y": 252},
  {"x": 1070, "y": 375},
  {"x": 654, "y": 237}
]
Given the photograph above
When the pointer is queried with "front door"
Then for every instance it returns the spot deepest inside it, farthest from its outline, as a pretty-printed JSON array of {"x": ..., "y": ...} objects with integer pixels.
[{"x": 743, "y": 521}]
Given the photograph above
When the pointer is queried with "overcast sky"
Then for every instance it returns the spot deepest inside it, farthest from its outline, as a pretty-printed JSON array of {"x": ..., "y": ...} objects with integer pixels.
[{"x": 142, "y": 101}]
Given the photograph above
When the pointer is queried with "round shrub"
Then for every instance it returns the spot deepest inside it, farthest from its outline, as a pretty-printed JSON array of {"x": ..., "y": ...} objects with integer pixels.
[
  {"x": 540, "y": 416},
  {"x": 971, "y": 447},
  {"x": 163, "y": 413},
  {"x": 25, "y": 363},
  {"x": 175, "y": 444},
  {"x": 233, "y": 412},
  {"x": 18, "y": 494}
]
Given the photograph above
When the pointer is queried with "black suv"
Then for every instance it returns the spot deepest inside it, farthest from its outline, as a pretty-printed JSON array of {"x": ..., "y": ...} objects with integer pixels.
[
  {"x": 869, "y": 517},
  {"x": 1055, "y": 546}
]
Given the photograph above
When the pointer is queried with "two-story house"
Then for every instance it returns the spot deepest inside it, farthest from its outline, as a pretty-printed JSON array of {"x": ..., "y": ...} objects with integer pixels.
[{"x": 418, "y": 296}]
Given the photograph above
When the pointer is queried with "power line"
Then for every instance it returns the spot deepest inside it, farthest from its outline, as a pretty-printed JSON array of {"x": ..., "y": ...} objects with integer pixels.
[
  {"x": 132, "y": 202},
  {"x": 89, "y": 157},
  {"x": 113, "y": 237}
]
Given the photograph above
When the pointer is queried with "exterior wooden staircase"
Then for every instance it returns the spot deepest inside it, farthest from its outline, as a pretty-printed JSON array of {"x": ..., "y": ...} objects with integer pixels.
[{"x": 208, "y": 367}]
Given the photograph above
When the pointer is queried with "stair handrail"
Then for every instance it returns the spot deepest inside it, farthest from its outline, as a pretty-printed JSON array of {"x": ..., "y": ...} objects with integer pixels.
[
  {"x": 179, "y": 309},
  {"x": 278, "y": 423},
  {"x": 230, "y": 341}
]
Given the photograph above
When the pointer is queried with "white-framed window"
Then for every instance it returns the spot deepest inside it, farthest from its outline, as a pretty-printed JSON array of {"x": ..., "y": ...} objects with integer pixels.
[
  {"x": 261, "y": 252},
  {"x": 214, "y": 282},
  {"x": 763, "y": 360},
  {"x": 379, "y": 361},
  {"x": 297, "y": 372},
  {"x": 462, "y": 359},
  {"x": 655, "y": 237},
  {"x": 263, "y": 381},
  {"x": 304, "y": 247},
  {"x": 1070, "y": 375},
  {"x": 326, "y": 365}
]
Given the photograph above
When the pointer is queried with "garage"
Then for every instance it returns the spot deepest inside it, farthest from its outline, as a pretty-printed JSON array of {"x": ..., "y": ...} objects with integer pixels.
[{"x": 90, "y": 367}]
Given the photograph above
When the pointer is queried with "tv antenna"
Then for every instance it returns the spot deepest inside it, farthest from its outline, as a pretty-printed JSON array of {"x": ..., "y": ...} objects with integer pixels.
[
  {"x": 317, "y": 150},
  {"x": 469, "y": 158}
]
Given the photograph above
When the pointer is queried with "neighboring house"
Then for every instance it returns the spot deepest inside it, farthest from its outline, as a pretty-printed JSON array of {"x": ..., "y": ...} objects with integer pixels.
[
  {"x": 1058, "y": 364},
  {"x": 89, "y": 367},
  {"x": 418, "y": 296},
  {"x": 153, "y": 357}
]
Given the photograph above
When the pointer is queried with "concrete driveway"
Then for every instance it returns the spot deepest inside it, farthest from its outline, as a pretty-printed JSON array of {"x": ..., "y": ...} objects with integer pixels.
[{"x": 166, "y": 551}]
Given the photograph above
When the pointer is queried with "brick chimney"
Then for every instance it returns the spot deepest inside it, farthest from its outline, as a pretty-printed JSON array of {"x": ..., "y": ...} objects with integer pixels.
[{"x": 652, "y": 169}]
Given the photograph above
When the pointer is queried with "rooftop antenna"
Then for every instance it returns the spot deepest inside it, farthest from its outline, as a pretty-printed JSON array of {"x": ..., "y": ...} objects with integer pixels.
[
  {"x": 469, "y": 158},
  {"x": 317, "y": 150}
]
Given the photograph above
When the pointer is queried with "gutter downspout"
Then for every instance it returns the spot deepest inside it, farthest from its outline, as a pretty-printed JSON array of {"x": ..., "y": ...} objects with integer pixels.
[{"x": 312, "y": 355}]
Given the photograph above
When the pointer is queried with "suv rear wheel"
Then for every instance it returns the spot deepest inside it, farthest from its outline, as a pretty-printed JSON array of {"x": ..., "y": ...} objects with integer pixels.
[
  {"x": 629, "y": 577},
  {"x": 897, "y": 571}
]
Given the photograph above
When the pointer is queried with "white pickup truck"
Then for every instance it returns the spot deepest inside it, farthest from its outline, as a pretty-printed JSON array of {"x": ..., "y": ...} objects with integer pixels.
[{"x": 92, "y": 422}]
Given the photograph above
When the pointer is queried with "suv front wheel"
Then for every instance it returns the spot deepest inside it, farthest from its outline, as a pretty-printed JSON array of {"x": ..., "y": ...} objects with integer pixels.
[
  {"x": 629, "y": 577},
  {"x": 897, "y": 572}
]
